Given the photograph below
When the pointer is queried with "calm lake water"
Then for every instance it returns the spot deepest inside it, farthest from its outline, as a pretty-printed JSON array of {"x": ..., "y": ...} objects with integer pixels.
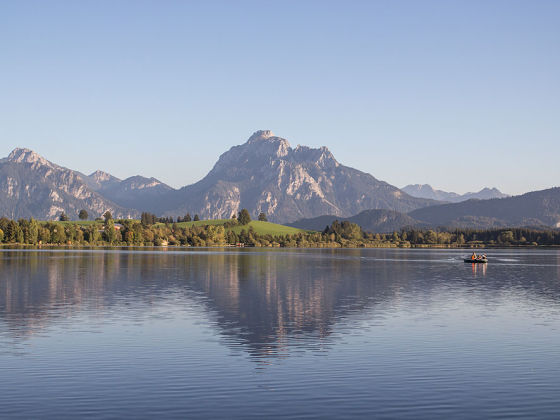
[{"x": 279, "y": 334}]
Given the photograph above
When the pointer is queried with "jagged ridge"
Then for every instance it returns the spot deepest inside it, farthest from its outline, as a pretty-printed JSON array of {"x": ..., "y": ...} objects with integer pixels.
[
  {"x": 31, "y": 186},
  {"x": 266, "y": 175}
]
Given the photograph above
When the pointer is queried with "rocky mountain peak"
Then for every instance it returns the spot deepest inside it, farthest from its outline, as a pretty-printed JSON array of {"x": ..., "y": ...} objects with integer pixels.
[
  {"x": 265, "y": 142},
  {"x": 100, "y": 176},
  {"x": 140, "y": 182},
  {"x": 266, "y": 175},
  {"x": 31, "y": 186},
  {"x": 321, "y": 156},
  {"x": 23, "y": 155},
  {"x": 260, "y": 135}
]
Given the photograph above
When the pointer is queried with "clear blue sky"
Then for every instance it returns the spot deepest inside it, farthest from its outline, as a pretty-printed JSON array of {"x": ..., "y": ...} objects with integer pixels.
[{"x": 405, "y": 90}]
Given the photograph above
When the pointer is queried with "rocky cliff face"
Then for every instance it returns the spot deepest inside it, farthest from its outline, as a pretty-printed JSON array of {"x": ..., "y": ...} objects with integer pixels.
[
  {"x": 31, "y": 186},
  {"x": 266, "y": 175}
]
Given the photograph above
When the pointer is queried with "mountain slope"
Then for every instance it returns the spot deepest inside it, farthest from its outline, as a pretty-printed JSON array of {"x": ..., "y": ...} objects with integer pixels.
[
  {"x": 266, "y": 175},
  {"x": 31, "y": 186},
  {"x": 538, "y": 208},
  {"x": 138, "y": 192},
  {"x": 426, "y": 191},
  {"x": 99, "y": 179},
  {"x": 377, "y": 221}
]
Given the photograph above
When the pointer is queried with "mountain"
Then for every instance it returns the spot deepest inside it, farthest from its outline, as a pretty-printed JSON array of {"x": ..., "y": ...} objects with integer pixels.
[
  {"x": 376, "y": 221},
  {"x": 266, "y": 175},
  {"x": 484, "y": 194},
  {"x": 263, "y": 175},
  {"x": 99, "y": 180},
  {"x": 31, "y": 186},
  {"x": 136, "y": 192},
  {"x": 534, "y": 209},
  {"x": 538, "y": 208},
  {"x": 426, "y": 191}
]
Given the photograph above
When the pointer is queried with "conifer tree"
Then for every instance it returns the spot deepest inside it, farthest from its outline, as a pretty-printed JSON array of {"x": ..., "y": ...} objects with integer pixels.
[
  {"x": 110, "y": 233},
  {"x": 244, "y": 217},
  {"x": 108, "y": 216}
]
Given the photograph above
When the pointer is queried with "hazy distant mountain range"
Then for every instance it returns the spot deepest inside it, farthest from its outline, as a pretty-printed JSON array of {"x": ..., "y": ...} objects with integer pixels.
[
  {"x": 538, "y": 209},
  {"x": 426, "y": 191},
  {"x": 299, "y": 185}
]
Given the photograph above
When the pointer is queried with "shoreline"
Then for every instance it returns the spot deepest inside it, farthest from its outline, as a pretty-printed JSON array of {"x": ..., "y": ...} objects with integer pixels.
[{"x": 178, "y": 247}]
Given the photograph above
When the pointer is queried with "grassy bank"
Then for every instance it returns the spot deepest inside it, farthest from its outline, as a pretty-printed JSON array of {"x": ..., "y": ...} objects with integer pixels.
[
  {"x": 226, "y": 232},
  {"x": 261, "y": 228}
]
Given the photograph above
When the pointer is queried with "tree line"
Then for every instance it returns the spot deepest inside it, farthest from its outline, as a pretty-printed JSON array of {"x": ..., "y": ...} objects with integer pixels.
[
  {"x": 149, "y": 218},
  {"x": 339, "y": 234}
]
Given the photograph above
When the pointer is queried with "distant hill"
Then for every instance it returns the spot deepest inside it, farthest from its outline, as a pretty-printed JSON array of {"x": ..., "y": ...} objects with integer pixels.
[
  {"x": 538, "y": 208},
  {"x": 426, "y": 191},
  {"x": 377, "y": 221},
  {"x": 535, "y": 209}
]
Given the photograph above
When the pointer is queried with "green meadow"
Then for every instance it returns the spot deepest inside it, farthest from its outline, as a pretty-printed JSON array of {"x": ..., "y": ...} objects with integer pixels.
[{"x": 262, "y": 228}]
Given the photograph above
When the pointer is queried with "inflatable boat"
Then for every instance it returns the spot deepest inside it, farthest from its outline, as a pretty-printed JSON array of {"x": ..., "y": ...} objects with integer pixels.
[{"x": 476, "y": 260}]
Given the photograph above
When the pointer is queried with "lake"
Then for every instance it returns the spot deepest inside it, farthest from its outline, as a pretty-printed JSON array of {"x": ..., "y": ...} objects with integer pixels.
[{"x": 291, "y": 333}]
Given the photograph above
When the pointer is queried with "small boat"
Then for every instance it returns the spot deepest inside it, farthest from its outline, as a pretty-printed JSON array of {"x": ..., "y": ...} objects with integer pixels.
[{"x": 476, "y": 260}]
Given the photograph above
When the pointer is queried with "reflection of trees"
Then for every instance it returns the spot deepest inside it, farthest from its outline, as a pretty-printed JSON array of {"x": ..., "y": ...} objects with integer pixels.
[
  {"x": 259, "y": 299},
  {"x": 264, "y": 300}
]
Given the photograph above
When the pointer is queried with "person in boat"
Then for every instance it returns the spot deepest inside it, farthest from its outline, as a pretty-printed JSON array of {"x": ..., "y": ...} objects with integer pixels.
[
  {"x": 473, "y": 256},
  {"x": 483, "y": 256}
]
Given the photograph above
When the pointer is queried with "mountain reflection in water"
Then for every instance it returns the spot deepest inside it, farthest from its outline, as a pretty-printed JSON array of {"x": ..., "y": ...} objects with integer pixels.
[
  {"x": 266, "y": 302},
  {"x": 253, "y": 334}
]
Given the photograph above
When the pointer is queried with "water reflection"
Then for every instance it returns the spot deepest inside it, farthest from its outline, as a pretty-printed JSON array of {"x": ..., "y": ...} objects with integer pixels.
[
  {"x": 478, "y": 269},
  {"x": 265, "y": 302}
]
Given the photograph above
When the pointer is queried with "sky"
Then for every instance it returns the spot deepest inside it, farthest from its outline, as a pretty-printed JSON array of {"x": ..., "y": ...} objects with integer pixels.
[{"x": 457, "y": 94}]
